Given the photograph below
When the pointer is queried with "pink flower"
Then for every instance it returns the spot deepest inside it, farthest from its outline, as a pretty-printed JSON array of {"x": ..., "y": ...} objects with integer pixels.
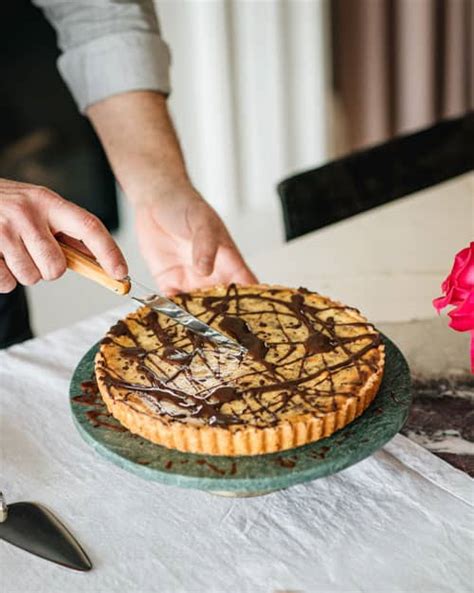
[{"x": 458, "y": 289}]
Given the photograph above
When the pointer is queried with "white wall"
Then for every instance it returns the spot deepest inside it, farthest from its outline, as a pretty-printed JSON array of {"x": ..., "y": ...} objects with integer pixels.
[{"x": 249, "y": 80}]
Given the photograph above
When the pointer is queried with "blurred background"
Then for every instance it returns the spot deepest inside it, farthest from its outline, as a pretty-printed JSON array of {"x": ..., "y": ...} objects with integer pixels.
[{"x": 262, "y": 89}]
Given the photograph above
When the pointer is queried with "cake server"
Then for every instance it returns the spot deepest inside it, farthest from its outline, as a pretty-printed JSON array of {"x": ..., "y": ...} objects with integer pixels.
[
  {"x": 33, "y": 528},
  {"x": 89, "y": 267}
]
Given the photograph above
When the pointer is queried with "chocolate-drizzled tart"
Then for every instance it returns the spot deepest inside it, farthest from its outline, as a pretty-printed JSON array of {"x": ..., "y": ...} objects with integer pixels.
[{"x": 312, "y": 366}]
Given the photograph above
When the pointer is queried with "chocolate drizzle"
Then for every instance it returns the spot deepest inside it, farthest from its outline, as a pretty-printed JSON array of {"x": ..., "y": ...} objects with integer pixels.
[
  {"x": 98, "y": 415},
  {"x": 317, "y": 343},
  {"x": 280, "y": 374},
  {"x": 239, "y": 330},
  {"x": 176, "y": 356},
  {"x": 207, "y": 407}
]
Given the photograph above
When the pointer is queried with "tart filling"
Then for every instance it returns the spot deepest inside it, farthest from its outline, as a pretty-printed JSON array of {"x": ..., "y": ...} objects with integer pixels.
[{"x": 312, "y": 366}]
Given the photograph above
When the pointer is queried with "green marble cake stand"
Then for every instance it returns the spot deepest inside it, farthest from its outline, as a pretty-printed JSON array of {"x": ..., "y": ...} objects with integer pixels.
[{"x": 248, "y": 476}]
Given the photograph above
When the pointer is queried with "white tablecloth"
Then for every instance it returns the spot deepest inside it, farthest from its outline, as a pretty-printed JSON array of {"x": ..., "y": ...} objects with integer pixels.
[{"x": 400, "y": 521}]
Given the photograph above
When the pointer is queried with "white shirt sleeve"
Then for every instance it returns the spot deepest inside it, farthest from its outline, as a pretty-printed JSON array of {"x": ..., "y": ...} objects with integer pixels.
[{"x": 108, "y": 47}]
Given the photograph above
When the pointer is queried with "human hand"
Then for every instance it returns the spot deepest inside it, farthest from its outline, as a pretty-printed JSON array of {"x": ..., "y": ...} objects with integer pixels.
[
  {"x": 186, "y": 244},
  {"x": 30, "y": 217},
  {"x": 182, "y": 239}
]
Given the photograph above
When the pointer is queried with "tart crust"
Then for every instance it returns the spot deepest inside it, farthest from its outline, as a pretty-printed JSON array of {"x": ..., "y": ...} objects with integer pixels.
[{"x": 313, "y": 408}]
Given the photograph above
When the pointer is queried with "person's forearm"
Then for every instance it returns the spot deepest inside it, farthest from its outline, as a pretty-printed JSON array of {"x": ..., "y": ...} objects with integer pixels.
[
  {"x": 141, "y": 144},
  {"x": 182, "y": 239}
]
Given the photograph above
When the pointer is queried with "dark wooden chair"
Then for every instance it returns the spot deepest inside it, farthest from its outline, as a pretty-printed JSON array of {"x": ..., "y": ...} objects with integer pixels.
[{"x": 369, "y": 178}]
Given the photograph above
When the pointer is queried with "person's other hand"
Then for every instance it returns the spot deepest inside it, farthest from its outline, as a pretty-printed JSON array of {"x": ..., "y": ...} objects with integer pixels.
[
  {"x": 30, "y": 217},
  {"x": 186, "y": 245}
]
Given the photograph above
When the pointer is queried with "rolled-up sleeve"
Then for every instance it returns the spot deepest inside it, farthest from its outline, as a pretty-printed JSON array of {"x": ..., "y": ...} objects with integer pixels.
[{"x": 108, "y": 47}]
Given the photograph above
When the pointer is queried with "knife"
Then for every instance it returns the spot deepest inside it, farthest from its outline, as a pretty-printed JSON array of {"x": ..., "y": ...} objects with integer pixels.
[
  {"x": 34, "y": 528},
  {"x": 90, "y": 268}
]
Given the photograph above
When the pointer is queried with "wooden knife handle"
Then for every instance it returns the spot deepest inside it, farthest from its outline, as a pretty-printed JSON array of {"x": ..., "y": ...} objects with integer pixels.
[{"x": 89, "y": 268}]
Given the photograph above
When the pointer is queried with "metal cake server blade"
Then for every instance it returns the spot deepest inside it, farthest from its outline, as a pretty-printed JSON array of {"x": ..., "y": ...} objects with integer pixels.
[
  {"x": 161, "y": 304},
  {"x": 35, "y": 529},
  {"x": 88, "y": 267}
]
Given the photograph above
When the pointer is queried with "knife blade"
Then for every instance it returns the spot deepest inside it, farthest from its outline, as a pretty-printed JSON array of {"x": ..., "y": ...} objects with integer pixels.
[
  {"x": 162, "y": 304},
  {"x": 88, "y": 267},
  {"x": 37, "y": 530}
]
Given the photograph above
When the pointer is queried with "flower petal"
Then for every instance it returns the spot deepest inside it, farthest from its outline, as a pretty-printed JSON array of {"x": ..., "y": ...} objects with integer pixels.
[
  {"x": 462, "y": 317},
  {"x": 460, "y": 282},
  {"x": 459, "y": 295},
  {"x": 465, "y": 276},
  {"x": 441, "y": 302}
]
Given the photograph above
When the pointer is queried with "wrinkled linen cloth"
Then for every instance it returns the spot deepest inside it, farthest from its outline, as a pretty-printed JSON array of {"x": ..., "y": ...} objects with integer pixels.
[{"x": 399, "y": 521}]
